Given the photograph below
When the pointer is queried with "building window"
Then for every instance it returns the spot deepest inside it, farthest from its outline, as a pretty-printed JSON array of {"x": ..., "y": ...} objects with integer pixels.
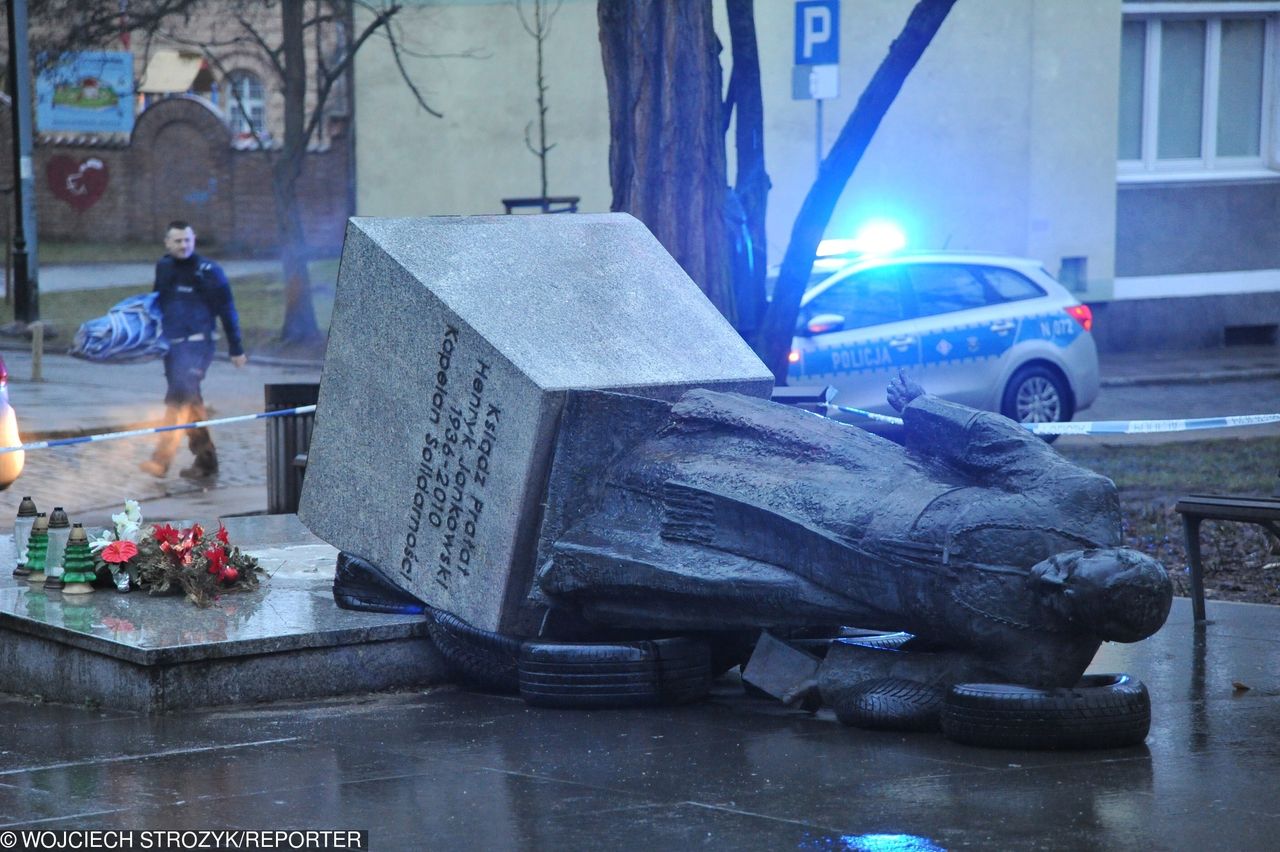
[
  {"x": 1197, "y": 93},
  {"x": 246, "y": 106}
]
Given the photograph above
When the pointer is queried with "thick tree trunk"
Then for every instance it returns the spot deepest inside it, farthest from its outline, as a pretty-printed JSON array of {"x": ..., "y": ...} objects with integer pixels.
[
  {"x": 666, "y": 151},
  {"x": 780, "y": 319},
  {"x": 300, "y": 324},
  {"x": 752, "y": 182},
  {"x": 299, "y": 313}
]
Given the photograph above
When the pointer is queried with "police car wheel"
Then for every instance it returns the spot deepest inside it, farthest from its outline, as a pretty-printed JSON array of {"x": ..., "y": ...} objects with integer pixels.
[{"x": 1037, "y": 394}]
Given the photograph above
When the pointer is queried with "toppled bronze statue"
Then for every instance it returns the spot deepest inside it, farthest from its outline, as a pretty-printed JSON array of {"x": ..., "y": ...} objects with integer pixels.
[{"x": 975, "y": 536}]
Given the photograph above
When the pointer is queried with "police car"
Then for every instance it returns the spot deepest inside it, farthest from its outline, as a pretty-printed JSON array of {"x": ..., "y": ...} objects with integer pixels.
[{"x": 989, "y": 331}]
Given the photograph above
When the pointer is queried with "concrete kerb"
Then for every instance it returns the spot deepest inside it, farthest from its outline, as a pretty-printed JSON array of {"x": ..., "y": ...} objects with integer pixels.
[{"x": 1192, "y": 378}]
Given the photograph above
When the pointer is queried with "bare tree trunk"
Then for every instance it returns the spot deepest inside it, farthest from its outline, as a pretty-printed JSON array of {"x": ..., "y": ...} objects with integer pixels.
[
  {"x": 780, "y": 319},
  {"x": 299, "y": 313},
  {"x": 540, "y": 37},
  {"x": 540, "y": 29},
  {"x": 752, "y": 182},
  {"x": 666, "y": 151}
]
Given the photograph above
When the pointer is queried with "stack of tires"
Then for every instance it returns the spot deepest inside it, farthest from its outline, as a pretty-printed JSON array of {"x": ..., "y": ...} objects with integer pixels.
[
  {"x": 1101, "y": 711},
  {"x": 569, "y": 674}
]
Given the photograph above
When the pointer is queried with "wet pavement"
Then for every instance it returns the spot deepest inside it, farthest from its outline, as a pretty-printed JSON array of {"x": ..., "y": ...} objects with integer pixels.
[
  {"x": 1195, "y": 367},
  {"x": 1183, "y": 385},
  {"x": 445, "y": 768}
]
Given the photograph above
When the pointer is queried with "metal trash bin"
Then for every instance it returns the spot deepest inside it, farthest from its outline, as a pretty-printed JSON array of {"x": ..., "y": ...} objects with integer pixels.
[{"x": 288, "y": 438}]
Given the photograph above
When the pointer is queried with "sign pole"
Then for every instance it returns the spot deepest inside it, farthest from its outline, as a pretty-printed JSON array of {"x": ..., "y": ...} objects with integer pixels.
[
  {"x": 816, "y": 72},
  {"x": 26, "y": 306},
  {"x": 817, "y": 141}
]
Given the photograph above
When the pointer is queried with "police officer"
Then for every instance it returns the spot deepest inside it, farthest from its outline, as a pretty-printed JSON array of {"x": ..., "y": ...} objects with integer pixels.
[{"x": 193, "y": 293}]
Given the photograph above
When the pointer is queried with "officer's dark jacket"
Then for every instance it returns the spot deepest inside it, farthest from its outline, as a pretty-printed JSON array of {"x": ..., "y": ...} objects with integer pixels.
[{"x": 193, "y": 293}]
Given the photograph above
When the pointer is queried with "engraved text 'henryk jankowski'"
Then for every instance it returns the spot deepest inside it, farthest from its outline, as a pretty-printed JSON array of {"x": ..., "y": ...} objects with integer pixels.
[{"x": 452, "y": 471}]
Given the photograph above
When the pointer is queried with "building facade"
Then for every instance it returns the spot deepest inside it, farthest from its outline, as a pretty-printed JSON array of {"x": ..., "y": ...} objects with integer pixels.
[
  {"x": 1132, "y": 147},
  {"x": 179, "y": 162},
  {"x": 1198, "y": 175},
  {"x": 205, "y": 114}
]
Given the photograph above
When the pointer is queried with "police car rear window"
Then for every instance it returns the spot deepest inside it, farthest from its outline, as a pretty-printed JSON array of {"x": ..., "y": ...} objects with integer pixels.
[{"x": 1009, "y": 286}]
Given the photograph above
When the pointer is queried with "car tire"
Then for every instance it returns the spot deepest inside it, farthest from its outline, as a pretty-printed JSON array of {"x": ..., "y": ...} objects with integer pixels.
[
  {"x": 359, "y": 586},
  {"x": 625, "y": 674},
  {"x": 475, "y": 657},
  {"x": 1101, "y": 711},
  {"x": 1038, "y": 394},
  {"x": 891, "y": 704}
]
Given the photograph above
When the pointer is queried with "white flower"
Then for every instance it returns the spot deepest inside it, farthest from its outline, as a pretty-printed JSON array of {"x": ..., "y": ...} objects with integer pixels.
[
  {"x": 128, "y": 526},
  {"x": 128, "y": 522}
]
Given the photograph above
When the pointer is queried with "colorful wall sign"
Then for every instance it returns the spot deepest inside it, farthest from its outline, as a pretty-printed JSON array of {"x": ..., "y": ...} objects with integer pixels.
[{"x": 87, "y": 92}]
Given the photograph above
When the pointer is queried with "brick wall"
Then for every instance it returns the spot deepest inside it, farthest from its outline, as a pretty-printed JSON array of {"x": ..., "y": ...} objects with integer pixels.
[{"x": 177, "y": 164}]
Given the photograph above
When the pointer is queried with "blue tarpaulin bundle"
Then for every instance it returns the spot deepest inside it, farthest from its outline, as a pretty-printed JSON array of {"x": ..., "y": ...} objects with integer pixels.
[{"x": 129, "y": 333}]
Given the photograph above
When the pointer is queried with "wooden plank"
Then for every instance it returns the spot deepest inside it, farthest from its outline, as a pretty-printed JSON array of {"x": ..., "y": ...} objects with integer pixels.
[{"x": 1229, "y": 508}]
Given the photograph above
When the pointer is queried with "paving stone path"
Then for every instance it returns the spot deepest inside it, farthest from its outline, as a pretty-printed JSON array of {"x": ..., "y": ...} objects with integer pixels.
[{"x": 91, "y": 481}]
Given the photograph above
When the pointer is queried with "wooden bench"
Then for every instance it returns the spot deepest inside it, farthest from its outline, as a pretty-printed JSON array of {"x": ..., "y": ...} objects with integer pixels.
[
  {"x": 1194, "y": 508},
  {"x": 549, "y": 204}
]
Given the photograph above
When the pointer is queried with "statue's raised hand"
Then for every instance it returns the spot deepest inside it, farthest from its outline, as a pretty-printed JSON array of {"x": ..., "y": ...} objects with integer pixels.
[{"x": 902, "y": 390}]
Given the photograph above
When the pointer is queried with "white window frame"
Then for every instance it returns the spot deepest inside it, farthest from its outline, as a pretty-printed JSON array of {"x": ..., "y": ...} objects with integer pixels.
[
  {"x": 1149, "y": 168},
  {"x": 236, "y": 119}
]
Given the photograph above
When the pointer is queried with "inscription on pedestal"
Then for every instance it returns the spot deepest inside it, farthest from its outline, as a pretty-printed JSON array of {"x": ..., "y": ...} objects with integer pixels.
[{"x": 446, "y": 516}]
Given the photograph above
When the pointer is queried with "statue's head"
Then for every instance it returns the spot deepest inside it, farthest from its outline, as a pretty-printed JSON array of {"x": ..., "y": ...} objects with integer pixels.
[{"x": 1116, "y": 593}]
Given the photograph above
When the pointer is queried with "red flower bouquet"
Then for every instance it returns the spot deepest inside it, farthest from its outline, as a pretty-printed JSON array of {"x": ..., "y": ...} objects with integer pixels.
[{"x": 168, "y": 559}]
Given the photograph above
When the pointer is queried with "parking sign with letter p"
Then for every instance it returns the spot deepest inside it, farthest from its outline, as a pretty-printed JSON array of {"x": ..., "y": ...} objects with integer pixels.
[{"x": 817, "y": 32}]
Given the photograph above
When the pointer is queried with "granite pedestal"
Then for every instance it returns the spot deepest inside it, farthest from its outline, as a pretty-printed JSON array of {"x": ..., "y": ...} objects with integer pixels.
[
  {"x": 453, "y": 345},
  {"x": 287, "y": 639}
]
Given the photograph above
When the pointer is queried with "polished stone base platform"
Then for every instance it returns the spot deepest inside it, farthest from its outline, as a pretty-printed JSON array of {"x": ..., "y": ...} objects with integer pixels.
[{"x": 152, "y": 654}]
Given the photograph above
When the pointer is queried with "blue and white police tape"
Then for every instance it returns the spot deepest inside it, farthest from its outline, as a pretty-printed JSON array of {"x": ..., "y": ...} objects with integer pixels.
[
  {"x": 152, "y": 430},
  {"x": 1101, "y": 427},
  {"x": 1097, "y": 427}
]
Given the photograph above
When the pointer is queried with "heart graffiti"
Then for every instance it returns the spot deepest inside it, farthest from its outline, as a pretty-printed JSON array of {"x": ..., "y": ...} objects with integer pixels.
[{"x": 80, "y": 184}]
